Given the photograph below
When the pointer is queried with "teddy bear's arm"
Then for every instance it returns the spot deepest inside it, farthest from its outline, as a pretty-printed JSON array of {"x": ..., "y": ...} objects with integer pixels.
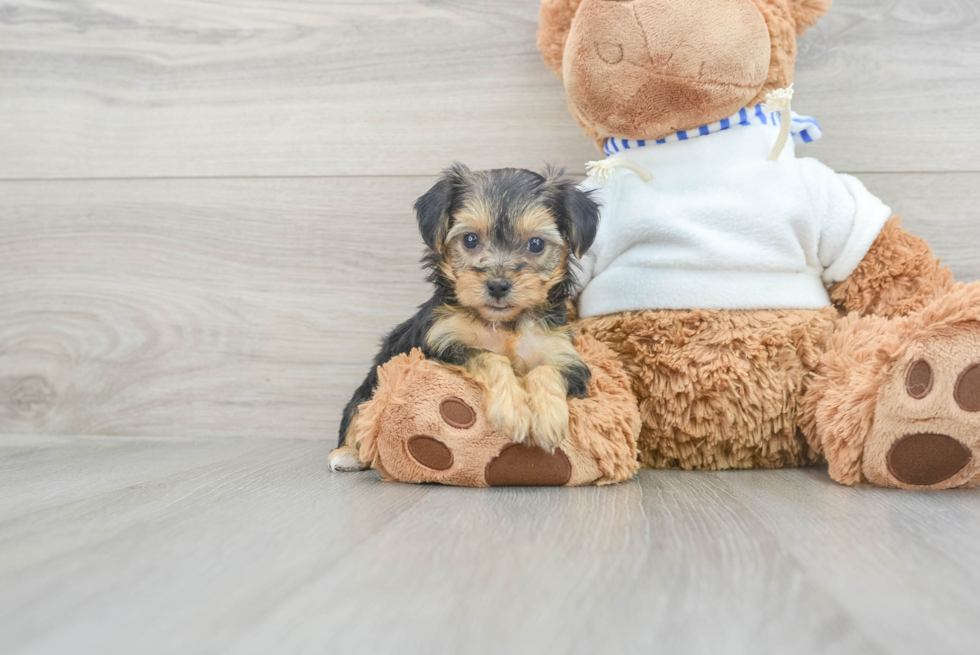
[{"x": 898, "y": 275}]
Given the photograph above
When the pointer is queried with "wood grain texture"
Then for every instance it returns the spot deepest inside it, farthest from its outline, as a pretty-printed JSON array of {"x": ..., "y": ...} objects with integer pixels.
[
  {"x": 202, "y": 307},
  {"x": 252, "y": 546},
  {"x": 111, "y": 88},
  {"x": 229, "y": 307}
]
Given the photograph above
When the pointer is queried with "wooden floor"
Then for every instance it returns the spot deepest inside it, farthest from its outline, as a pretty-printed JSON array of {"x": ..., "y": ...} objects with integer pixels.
[
  {"x": 205, "y": 225},
  {"x": 249, "y": 545}
]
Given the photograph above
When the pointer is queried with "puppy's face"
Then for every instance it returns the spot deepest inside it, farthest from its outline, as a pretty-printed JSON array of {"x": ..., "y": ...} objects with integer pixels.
[
  {"x": 505, "y": 259},
  {"x": 504, "y": 238}
]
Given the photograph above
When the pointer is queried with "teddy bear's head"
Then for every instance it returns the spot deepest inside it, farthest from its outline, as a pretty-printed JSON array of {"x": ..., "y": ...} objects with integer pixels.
[{"x": 644, "y": 69}]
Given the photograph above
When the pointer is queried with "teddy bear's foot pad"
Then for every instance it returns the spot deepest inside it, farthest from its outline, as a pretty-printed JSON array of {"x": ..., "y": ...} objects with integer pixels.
[
  {"x": 518, "y": 465},
  {"x": 925, "y": 459},
  {"x": 967, "y": 390},
  {"x": 430, "y": 452},
  {"x": 457, "y": 413}
]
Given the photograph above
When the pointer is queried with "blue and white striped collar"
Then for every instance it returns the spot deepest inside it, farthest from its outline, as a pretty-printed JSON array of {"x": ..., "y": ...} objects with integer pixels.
[{"x": 804, "y": 129}]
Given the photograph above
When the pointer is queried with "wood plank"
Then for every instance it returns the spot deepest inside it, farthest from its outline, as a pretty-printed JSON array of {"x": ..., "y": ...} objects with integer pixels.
[
  {"x": 204, "y": 307},
  {"x": 246, "y": 307},
  {"x": 109, "y": 88},
  {"x": 264, "y": 550},
  {"x": 177, "y": 559},
  {"x": 669, "y": 562},
  {"x": 900, "y": 563},
  {"x": 34, "y": 476}
]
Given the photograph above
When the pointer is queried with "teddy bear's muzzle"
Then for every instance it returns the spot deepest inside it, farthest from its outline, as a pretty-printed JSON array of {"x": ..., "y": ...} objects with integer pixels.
[{"x": 635, "y": 68}]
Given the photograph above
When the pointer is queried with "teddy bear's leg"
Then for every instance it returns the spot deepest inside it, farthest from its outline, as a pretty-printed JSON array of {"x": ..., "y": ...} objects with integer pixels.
[
  {"x": 896, "y": 402},
  {"x": 718, "y": 389},
  {"x": 887, "y": 404},
  {"x": 426, "y": 423}
]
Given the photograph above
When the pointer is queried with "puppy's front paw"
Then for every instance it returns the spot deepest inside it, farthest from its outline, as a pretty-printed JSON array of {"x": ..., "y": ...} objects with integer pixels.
[
  {"x": 547, "y": 396},
  {"x": 549, "y": 420},
  {"x": 508, "y": 413}
]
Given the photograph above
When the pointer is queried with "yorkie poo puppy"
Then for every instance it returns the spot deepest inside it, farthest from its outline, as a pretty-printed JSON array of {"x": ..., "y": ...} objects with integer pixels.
[{"x": 499, "y": 245}]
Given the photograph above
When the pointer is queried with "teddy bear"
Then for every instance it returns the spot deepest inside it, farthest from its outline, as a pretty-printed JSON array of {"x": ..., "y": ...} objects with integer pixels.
[{"x": 768, "y": 311}]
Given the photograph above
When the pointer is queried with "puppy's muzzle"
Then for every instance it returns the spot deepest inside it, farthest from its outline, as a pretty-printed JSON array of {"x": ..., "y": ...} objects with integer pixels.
[{"x": 498, "y": 288}]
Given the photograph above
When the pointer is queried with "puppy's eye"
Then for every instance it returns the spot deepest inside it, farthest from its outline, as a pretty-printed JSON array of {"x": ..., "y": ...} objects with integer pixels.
[
  {"x": 471, "y": 240},
  {"x": 535, "y": 245}
]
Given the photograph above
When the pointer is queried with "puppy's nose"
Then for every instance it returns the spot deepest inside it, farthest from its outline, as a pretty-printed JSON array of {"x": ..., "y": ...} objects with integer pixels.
[{"x": 498, "y": 288}]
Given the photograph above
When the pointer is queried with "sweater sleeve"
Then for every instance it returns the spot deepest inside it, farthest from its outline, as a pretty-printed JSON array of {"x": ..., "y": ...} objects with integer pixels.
[{"x": 849, "y": 219}]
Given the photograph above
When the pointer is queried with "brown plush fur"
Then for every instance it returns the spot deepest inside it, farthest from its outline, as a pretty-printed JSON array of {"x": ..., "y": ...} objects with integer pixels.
[
  {"x": 643, "y": 69},
  {"x": 898, "y": 276},
  {"x": 718, "y": 389},
  {"x": 601, "y": 446},
  {"x": 857, "y": 406}
]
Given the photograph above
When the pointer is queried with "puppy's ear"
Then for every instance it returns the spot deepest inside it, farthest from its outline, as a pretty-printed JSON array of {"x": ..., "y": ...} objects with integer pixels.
[
  {"x": 553, "y": 29},
  {"x": 576, "y": 213},
  {"x": 434, "y": 210}
]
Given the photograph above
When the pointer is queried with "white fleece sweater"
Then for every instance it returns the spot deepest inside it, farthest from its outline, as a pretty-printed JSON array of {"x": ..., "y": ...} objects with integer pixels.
[{"x": 720, "y": 227}]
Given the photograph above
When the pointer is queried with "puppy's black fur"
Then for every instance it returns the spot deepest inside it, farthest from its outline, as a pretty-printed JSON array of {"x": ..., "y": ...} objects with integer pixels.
[{"x": 576, "y": 217}]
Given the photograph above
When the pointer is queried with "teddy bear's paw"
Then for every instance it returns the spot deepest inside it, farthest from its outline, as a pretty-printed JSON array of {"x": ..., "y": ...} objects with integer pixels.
[
  {"x": 508, "y": 412},
  {"x": 926, "y": 431}
]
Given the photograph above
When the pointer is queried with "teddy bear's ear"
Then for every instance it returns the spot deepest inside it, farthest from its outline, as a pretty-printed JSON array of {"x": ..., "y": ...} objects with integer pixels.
[
  {"x": 556, "y": 22},
  {"x": 808, "y": 12}
]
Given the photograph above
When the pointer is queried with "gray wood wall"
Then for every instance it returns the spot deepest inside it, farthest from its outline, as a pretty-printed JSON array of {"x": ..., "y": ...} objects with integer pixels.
[{"x": 205, "y": 215}]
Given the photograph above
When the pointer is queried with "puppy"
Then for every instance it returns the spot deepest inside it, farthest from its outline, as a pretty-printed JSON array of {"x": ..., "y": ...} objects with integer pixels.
[{"x": 498, "y": 254}]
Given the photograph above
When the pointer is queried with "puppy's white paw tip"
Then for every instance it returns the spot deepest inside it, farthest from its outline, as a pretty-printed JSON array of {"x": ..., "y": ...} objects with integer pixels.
[{"x": 345, "y": 461}]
